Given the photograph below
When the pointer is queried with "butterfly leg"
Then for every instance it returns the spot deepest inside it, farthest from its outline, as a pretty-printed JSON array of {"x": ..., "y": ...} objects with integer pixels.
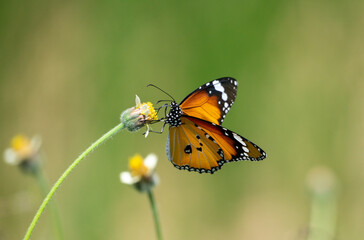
[
  {"x": 163, "y": 106},
  {"x": 165, "y": 111},
  {"x": 157, "y": 131}
]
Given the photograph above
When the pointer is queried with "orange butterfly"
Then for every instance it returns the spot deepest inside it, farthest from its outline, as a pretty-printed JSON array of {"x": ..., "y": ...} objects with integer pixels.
[{"x": 196, "y": 140}]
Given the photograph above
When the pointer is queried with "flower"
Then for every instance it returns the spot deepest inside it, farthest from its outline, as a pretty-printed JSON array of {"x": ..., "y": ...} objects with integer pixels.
[
  {"x": 23, "y": 152},
  {"x": 136, "y": 117},
  {"x": 141, "y": 172},
  {"x": 321, "y": 181}
]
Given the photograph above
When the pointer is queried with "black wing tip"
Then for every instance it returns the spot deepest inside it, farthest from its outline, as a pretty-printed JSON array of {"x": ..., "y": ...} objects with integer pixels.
[
  {"x": 231, "y": 80},
  {"x": 263, "y": 156},
  {"x": 225, "y": 79}
]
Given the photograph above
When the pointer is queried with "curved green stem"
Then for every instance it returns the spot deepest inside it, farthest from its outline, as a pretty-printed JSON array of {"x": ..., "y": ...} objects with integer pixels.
[
  {"x": 66, "y": 173},
  {"x": 155, "y": 215},
  {"x": 43, "y": 183}
]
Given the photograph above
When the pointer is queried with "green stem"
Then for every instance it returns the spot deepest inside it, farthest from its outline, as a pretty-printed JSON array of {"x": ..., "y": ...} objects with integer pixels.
[
  {"x": 323, "y": 217},
  {"x": 155, "y": 215},
  {"x": 54, "y": 211},
  {"x": 322, "y": 184},
  {"x": 66, "y": 173}
]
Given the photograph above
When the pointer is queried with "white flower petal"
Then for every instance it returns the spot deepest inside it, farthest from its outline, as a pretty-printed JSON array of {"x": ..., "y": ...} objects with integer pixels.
[
  {"x": 36, "y": 142},
  {"x": 127, "y": 178},
  {"x": 147, "y": 132},
  {"x": 137, "y": 101},
  {"x": 155, "y": 179},
  {"x": 11, "y": 157},
  {"x": 151, "y": 161}
]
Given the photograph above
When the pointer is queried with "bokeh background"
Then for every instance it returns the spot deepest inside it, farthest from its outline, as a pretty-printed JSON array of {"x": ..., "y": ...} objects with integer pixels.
[{"x": 69, "y": 68}]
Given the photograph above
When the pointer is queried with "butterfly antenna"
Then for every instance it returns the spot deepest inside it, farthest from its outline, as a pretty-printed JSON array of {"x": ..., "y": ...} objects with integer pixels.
[{"x": 151, "y": 85}]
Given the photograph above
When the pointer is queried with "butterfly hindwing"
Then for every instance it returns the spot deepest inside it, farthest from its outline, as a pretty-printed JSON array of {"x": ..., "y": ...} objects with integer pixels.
[
  {"x": 235, "y": 147},
  {"x": 197, "y": 145},
  {"x": 189, "y": 148},
  {"x": 211, "y": 101}
]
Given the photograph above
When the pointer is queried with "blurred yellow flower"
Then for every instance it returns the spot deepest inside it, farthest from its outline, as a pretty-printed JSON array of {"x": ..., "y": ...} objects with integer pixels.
[
  {"x": 141, "y": 172},
  {"x": 23, "y": 152},
  {"x": 136, "y": 117}
]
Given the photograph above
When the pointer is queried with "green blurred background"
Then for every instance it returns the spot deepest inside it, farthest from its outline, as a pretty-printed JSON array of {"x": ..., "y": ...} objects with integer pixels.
[{"x": 69, "y": 68}]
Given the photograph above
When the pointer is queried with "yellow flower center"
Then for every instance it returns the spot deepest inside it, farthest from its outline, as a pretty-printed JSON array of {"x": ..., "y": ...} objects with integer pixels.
[
  {"x": 152, "y": 113},
  {"x": 21, "y": 145},
  {"x": 137, "y": 167},
  {"x": 148, "y": 111},
  {"x": 20, "y": 142}
]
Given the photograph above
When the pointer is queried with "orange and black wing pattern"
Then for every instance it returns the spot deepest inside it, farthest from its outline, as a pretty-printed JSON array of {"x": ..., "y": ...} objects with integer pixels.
[
  {"x": 201, "y": 146},
  {"x": 211, "y": 101}
]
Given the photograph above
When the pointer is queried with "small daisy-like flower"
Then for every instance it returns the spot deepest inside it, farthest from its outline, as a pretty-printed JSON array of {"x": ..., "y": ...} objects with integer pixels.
[
  {"x": 141, "y": 172},
  {"x": 23, "y": 152},
  {"x": 136, "y": 117}
]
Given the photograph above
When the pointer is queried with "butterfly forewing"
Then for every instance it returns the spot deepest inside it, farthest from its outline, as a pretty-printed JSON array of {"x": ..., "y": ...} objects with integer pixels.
[{"x": 211, "y": 101}]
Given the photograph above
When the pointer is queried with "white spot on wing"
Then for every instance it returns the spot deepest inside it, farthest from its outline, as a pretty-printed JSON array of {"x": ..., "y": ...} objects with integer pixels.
[
  {"x": 239, "y": 139},
  {"x": 224, "y": 96},
  {"x": 219, "y": 87}
]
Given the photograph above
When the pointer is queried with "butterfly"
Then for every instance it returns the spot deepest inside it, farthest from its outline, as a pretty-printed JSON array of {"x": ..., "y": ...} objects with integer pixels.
[{"x": 196, "y": 140}]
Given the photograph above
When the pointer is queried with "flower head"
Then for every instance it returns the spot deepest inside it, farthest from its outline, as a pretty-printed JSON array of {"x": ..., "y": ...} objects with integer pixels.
[
  {"x": 321, "y": 181},
  {"x": 23, "y": 152},
  {"x": 136, "y": 117},
  {"x": 141, "y": 172}
]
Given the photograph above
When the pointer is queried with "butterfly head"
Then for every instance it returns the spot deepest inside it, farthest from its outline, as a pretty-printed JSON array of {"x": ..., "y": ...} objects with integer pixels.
[{"x": 173, "y": 118}]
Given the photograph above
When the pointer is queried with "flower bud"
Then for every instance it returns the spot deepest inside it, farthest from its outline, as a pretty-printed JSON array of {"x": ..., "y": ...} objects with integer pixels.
[{"x": 136, "y": 117}]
